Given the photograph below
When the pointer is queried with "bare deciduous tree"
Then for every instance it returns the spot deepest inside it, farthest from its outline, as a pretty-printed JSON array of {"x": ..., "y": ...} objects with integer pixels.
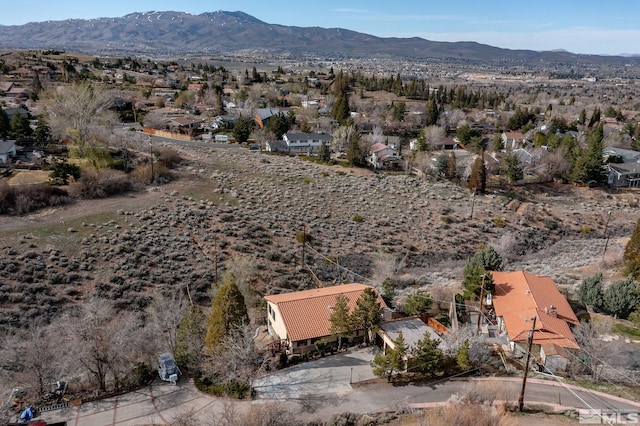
[
  {"x": 341, "y": 137},
  {"x": 79, "y": 109},
  {"x": 167, "y": 313},
  {"x": 386, "y": 265},
  {"x": 234, "y": 358},
  {"x": 479, "y": 351},
  {"x": 104, "y": 342}
]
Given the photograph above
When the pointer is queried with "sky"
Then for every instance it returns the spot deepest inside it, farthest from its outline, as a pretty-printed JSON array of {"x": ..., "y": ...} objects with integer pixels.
[{"x": 587, "y": 26}]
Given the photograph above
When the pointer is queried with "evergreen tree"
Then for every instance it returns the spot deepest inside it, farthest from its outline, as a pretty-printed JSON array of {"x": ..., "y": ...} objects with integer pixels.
[
  {"x": 417, "y": 303},
  {"x": 422, "y": 144},
  {"x": 432, "y": 113},
  {"x": 452, "y": 167},
  {"x": 190, "y": 339},
  {"x": 631, "y": 257},
  {"x": 476, "y": 270},
  {"x": 622, "y": 298},
  {"x": 356, "y": 155},
  {"x": 42, "y": 133},
  {"x": 427, "y": 358},
  {"x": 340, "y": 319},
  {"x": 582, "y": 118},
  {"x": 5, "y": 124},
  {"x": 595, "y": 117},
  {"x": 590, "y": 292},
  {"x": 278, "y": 125},
  {"x": 388, "y": 292},
  {"x": 478, "y": 178},
  {"x": 442, "y": 162},
  {"x": 511, "y": 168},
  {"x": 391, "y": 362},
  {"x": 324, "y": 153},
  {"x": 589, "y": 166},
  {"x": 367, "y": 313},
  {"x": 242, "y": 129},
  {"x": 462, "y": 357},
  {"x": 341, "y": 110},
  {"x": 228, "y": 310},
  {"x": 20, "y": 127}
]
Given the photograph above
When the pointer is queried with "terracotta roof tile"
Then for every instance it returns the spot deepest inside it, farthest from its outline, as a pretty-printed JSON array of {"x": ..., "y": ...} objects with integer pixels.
[
  {"x": 306, "y": 314},
  {"x": 519, "y": 296}
]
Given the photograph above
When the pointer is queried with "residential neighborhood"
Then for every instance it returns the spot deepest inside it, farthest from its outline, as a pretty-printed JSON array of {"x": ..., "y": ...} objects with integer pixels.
[{"x": 249, "y": 220}]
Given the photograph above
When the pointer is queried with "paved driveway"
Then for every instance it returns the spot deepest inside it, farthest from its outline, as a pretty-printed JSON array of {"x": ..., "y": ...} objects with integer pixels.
[{"x": 329, "y": 375}]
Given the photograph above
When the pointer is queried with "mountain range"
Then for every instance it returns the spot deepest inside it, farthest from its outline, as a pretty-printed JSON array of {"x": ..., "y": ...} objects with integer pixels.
[{"x": 178, "y": 33}]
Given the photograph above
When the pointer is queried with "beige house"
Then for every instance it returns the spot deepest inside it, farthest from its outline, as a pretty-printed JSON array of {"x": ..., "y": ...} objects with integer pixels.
[{"x": 302, "y": 318}]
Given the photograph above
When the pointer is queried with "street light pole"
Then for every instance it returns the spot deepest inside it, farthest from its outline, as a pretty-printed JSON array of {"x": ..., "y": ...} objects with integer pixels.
[{"x": 526, "y": 367}]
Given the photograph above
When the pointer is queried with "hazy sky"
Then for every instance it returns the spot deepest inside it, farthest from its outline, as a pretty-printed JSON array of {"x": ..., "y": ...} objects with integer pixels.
[{"x": 586, "y": 26}]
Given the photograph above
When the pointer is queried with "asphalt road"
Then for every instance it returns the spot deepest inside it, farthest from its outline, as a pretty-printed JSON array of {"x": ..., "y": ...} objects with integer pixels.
[{"x": 319, "y": 389}]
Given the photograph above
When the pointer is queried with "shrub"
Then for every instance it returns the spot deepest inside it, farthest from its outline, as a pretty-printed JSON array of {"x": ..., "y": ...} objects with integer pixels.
[
  {"x": 168, "y": 157},
  {"x": 499, "y": 222},
  {"x": 585, "y": 230},
  {"x": 550, "y": 223},
  {"x": 27, "y": 198},
  {"x": 357, "y": 218},
  {"x": 101, "y": 183},
  {"x": 446, "y": 219}
]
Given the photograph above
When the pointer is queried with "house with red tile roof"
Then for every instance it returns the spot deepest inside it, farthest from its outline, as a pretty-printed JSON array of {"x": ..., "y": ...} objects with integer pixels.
[
  {"x": 519, "y": 297},
  {"x": 302, "y": 318}
]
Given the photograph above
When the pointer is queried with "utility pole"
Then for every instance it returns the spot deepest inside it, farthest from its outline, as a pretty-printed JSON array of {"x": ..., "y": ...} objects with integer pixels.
[
  {"x": 480, "y": 306},
  {"x": 215, "y": 259},
  {"x": 526, "y": 367},
  {"x": 151, "y": 152},
  {"x": 304, "y": 241},
  {"x": 473, "y": 202},
  {"x": 606, "y": 228}
]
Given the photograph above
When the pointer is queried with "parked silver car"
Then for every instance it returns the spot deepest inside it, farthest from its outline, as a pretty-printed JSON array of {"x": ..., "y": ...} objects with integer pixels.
[{"x": 167, "y": 368}]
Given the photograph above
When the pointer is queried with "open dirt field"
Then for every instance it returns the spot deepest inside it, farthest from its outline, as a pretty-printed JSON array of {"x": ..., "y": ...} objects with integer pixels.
[{"x": 231, "y": 206}]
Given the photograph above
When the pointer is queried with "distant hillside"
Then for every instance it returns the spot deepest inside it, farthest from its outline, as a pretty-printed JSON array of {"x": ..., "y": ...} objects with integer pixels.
[{"x": 169, "y": 33}]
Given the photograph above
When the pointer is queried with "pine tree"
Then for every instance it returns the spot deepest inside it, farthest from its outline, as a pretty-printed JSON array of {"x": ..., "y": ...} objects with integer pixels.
[
  {"x": 511, "y": 168},
  {"x": 392, "y": 361},
  {"x": 590, "y": 291},
  {"x": 324, "y": 153},
  {"x": 242, "y": 129},
  {"x": 426, "y": 357},
  {"x": 388, "y": 292},
  {"x": 228, "y": 311},
  {"x": 476, "y": 270},
  {"x": 5, "y": 124},
  {"x": 462, "y": 357},
  {"x": 417, "y": 303},
  {"x": 20, "y": 127},
  {"x": 432, "y": 113},
  {"x": 340, "y": 319},
  {"x": 190, "y": 338},
  {"x": 621, "y": 298},
  {"x": 589, "y": 166},
  {"x": 478, "y": 179},
  {"x": 42, "y": 133},
  {"x": 631, "y": 255},
  {"x": 367, "y": 313}
]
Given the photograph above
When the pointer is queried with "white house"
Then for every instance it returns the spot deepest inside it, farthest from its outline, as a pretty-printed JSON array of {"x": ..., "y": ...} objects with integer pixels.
[
  {"x": 383, "y": 156},
  {"x": 305, "y": 143},
  {"x": 302, "y": 318}
]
